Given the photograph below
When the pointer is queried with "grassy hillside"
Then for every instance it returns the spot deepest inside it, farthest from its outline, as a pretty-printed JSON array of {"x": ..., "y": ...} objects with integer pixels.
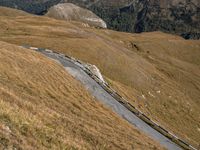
[
  {"x": 172, "y": 16},
  {"x": 157, "y": 72},
  {"x": 43, "y": 107}
]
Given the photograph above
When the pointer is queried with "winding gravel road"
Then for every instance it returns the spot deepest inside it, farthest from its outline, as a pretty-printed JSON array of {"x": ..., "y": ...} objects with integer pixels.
[{"x": 96, "y": 90}]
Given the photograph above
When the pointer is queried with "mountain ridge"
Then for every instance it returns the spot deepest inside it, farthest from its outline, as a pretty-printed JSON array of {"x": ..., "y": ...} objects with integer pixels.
[{"x": 171, "y": 16}]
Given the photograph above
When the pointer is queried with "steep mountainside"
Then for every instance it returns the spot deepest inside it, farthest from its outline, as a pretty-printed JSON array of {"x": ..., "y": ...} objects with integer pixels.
[
  {"x": 43, "y": 107},
  {"x": 159, "y": 73},
  {"x": 181, "y": 17},
  {"x": 31, "y": 6},
  {"x": 175, "y": 16},
  {"x": 71, "y": 12}
]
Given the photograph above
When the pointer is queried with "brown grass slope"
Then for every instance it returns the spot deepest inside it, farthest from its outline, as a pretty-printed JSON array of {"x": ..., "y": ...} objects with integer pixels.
[
  {"x": 159, "y": 73},
  {"x": 43, "y": 107}
]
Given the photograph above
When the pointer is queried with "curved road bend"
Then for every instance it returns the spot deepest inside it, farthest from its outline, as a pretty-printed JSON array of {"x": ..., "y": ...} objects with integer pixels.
[{"x": 96, "y": 90}]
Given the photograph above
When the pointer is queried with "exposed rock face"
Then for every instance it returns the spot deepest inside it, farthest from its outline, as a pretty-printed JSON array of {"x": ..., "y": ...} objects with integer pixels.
[
  {"x": 175, "y": 16},
  {"x": 181, "y": 17},
  {"x": 68, "y": 11},
  {"x": 95, "y": 71}
]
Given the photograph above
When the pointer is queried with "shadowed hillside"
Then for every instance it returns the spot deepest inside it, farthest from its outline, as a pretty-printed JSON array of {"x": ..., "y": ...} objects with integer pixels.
[
  {"x": 157, "y": 72},
  {"x": 180, "y": 17}
]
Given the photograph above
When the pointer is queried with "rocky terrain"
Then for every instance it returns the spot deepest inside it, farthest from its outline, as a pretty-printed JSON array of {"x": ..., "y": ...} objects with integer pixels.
[
  {"x": 71, "y": 12},
  {"x": 180, "y": 17}
]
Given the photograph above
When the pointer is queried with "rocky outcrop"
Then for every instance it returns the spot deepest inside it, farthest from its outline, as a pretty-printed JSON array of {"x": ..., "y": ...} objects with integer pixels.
[
  {"x": 38, "y": 7},
  {"x": 95, "y": 71},
  {"x": 181, "y": 17},
  {"x": 71, "y": 12}
]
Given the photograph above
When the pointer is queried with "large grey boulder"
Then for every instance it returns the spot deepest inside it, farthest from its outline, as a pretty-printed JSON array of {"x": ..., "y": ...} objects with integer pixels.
[
  {"x": 181, "y": 17},
  {"x": 71, "y": 12}
]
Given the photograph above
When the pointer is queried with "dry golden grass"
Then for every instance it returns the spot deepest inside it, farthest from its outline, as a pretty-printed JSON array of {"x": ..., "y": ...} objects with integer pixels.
[
  {"x": 159, "y": 73},
  {"x": 43, "y": 107}
]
